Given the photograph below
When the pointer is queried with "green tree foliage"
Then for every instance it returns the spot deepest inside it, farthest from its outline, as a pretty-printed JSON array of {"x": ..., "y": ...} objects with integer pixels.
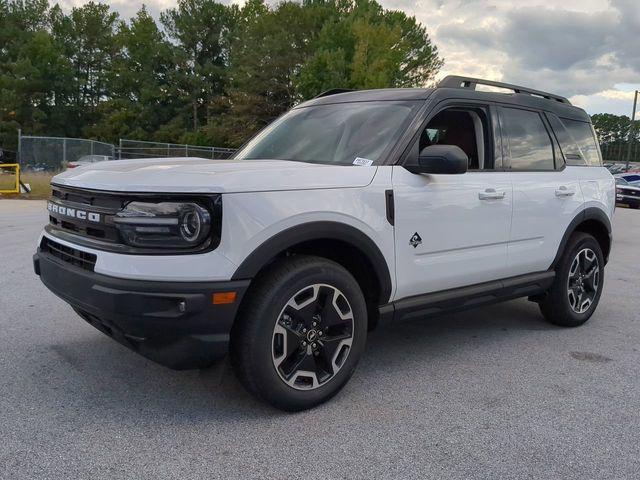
[
  {"x": 614, "y": 136},
  {"x": 142, "y": 88},
  {"x": 266, "y": 55},
  {"x": 32, "y": 70},
  {"x": 206, "y": 72},
  {"x": 201, "y": 29},
  {"x": 87, "y": 39},
  {"x": 366, "y": 46}
]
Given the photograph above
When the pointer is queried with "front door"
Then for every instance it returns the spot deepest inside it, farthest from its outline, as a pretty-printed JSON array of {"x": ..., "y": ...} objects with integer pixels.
[{"x": 452, "y": 230}]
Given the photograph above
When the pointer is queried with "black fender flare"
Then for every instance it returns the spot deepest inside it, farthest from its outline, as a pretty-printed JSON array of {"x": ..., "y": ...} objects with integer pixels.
[
  {"x": 591, "y": 213},
  {"x": 321, "y": 230}
]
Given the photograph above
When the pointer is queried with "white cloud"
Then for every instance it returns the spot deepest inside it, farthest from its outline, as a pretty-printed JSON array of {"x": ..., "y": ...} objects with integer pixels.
[{"x": 581, "y": 49}]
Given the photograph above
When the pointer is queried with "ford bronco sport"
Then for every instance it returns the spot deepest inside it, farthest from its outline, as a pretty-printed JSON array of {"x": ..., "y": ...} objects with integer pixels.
[{"x": 351, "y": 208}]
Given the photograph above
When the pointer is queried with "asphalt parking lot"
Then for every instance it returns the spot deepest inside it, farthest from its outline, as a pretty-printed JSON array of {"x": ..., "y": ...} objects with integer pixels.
[{"x": 489, "y": 393}]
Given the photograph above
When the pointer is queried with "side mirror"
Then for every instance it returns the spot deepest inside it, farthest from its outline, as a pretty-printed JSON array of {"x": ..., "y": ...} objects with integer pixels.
[{"x": 443, "y": 159}]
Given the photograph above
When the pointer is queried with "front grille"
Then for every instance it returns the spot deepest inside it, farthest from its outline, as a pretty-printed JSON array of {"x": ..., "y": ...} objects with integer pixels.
[
  {"x": 97, "y": 210},
  {"x": 87, "y": 198},
  {"x": 73, "y": 256}
]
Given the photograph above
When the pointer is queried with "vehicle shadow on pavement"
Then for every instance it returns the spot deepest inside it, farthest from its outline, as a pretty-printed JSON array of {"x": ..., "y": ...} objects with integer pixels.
[{"x": 97, "y": 373}]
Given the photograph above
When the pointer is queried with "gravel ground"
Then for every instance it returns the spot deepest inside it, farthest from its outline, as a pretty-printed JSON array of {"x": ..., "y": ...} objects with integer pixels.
[{"x": 490, "y": 393}]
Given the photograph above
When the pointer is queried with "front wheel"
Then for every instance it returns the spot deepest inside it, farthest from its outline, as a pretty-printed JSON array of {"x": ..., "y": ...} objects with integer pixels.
[
  {"x": 578, "y": 285},
  {"x": 300, "y": 334}
]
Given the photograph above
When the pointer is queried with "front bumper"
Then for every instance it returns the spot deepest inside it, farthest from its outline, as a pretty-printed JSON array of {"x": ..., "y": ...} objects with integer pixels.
[
  {"x": 173, "y": 323},
  {"x": 627, "y": 199}
]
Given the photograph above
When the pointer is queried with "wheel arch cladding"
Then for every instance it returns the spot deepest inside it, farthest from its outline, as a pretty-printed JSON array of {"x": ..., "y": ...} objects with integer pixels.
[
  {"x": 339, "y": 242},
  {"x": 593, "y": 221}
]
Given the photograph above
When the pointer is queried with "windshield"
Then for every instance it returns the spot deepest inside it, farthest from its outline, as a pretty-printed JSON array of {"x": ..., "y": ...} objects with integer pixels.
[{"x": 341, "y": 134}]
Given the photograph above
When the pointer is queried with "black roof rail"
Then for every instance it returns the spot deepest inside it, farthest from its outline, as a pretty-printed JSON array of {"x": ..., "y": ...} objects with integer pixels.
[
  {"x": 455, "y": 81},
  {"x": 334, "y": 91}
]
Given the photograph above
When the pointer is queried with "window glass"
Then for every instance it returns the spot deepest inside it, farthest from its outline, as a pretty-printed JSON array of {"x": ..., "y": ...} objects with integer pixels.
[
  {"x": 464, "y": 128},
  {"x": 570, "y": 149},
  {"x": 528, "y": 139},
  {"x": 584, "y": 136},
  {"x": 334, "y": 134}
]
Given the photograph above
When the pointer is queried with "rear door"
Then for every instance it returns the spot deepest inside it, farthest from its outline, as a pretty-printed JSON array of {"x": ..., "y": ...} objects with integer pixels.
[
  {"x": 453, "y": 230},
  {"x": 546, "y": 194}
]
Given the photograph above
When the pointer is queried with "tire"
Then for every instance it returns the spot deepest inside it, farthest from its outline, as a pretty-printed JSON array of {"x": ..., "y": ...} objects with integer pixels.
[
  {"x": 581, "y": 271},
  {"x": 292, "y": 347},
  {"x": 635, "y": 207}
]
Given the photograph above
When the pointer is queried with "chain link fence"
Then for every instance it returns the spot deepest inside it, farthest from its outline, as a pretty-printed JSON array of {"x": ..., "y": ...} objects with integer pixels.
[
  {"x": 55, "y": 153},
  {"x": 143, "y": 149},
  {"x": 617, "y": 152}
]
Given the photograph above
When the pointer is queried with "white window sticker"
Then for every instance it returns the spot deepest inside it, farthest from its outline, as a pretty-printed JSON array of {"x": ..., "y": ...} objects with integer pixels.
[{"x": 363, "y": 162}]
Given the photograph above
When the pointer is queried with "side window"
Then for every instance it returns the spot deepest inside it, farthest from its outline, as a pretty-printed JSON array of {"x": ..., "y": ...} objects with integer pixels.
[
  {"x": 569, "y": 147},
  {"x": 585, "y": 137},
  {"x": 466, "y": 128},
  {"x": 528, "y": 140}
]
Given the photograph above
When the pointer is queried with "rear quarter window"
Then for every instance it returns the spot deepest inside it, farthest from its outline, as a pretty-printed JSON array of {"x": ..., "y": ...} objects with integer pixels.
[
  {"x": 583, "y": 137},
  {"x": 529, "y": 142}
]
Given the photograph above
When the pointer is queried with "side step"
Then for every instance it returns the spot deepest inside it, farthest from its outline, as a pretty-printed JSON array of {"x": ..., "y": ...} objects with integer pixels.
[{"x": 464, "y": 298}]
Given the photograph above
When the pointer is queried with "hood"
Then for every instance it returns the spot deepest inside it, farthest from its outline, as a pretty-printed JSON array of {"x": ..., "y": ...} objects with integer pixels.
[{"x": 199, "y": 175}]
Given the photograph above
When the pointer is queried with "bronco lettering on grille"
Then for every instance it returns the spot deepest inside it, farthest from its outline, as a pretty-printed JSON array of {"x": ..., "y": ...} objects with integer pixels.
[{"x": 73, "y": 212}]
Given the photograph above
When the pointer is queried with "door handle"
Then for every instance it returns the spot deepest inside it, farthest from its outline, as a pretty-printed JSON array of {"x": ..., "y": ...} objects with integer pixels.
[
  {"x": 563, "y": 191},
  {"x": 491, "y": 194}
]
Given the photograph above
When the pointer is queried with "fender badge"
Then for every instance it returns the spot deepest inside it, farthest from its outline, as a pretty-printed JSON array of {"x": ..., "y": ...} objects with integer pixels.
[{"x": 415, "y": 240}]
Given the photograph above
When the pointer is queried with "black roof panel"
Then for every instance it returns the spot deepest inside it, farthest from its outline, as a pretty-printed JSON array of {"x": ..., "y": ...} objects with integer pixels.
[
  {"x": 371, "y": 96},
  {"x": 459, "y": 88}
]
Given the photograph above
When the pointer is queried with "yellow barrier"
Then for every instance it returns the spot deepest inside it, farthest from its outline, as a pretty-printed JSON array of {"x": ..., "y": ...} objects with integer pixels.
[{"x": 16, "y": 167}]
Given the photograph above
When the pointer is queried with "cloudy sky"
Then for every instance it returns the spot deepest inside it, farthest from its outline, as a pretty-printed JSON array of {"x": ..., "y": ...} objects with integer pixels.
[{"x": 588, "y": 50}]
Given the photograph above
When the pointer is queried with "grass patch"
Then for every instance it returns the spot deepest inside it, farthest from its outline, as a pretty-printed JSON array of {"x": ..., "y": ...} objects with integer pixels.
[{"x": 40, "y": 183}]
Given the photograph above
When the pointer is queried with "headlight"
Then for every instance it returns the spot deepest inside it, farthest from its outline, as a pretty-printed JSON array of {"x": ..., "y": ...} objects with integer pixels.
[{"x": 164, "y": 224}]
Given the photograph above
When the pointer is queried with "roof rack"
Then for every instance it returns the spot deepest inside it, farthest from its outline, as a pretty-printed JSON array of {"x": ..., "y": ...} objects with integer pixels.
[
  {"x": 333, "y": 91},
  {"x": 455, "y": 81}
]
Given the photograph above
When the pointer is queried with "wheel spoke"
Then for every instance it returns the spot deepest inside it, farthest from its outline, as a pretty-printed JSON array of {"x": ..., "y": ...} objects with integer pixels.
[
  {"x": 592, "y": 279},
  {"x": 324, "y": 299},
  {"x": 574, "y": 271},
  {"x": 582, "y": 261},
  {"x": 332, "y": 348},
  {"x": 299, "y": 360}
]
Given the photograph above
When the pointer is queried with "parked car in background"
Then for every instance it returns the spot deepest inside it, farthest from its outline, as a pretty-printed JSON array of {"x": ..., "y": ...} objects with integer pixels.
[
  {"x": 88, "y": 159},
  {"x": 615, "y": 168},
  {"x": 627, "y": 193},
  {"x": 631, "y": 178}
]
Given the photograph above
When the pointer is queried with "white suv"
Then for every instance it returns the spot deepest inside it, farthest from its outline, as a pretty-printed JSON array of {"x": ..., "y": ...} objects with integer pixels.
[{"x": 350, "y": 208}]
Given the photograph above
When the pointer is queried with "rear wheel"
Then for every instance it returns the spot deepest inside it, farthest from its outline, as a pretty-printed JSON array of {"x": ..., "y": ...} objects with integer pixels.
[
  {"x": 301, "y": 333},
  {"x": 578, "y": 285}
]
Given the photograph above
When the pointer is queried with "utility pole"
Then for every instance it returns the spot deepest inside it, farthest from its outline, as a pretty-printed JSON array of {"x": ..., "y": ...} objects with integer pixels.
[{"x": 631, "y": 127}]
